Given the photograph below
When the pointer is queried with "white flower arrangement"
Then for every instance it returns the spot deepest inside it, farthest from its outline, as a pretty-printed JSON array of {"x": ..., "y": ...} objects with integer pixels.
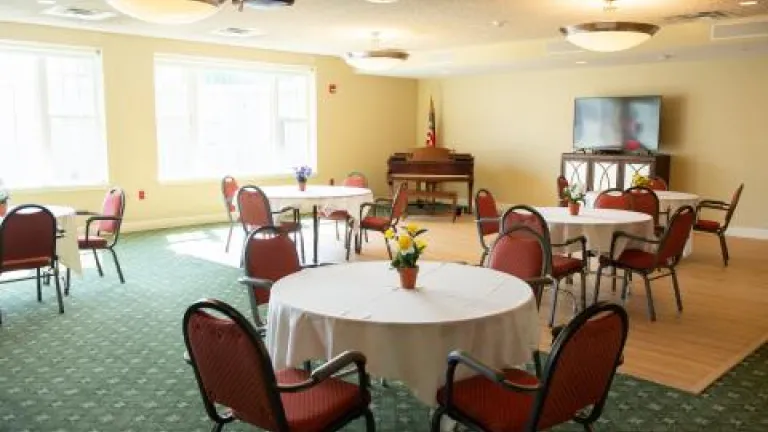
[{"x": 574, "y": 193}]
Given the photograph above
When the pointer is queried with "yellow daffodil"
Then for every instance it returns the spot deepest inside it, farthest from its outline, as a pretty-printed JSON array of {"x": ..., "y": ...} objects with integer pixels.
[
  {"x": 405, "y": 242},
  {"x": 412, "y": 228},
  {"x": 421, "y": 244},
  {"x": 389, "y": 234}
]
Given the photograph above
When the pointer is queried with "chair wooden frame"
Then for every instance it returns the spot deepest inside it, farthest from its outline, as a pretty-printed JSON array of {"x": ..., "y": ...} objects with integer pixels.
[
  {"x": 481, "y": 220},
  {"x": 562, "y": 183},
  {"x": 265, "y": 369},
  {"x": 542, "y": 388},
  {"x": 670, "y": 265},
  {"x": 720, "y": 231},
  {"x": 39, "y": 274},
  {"x": 299, "y": 232}
]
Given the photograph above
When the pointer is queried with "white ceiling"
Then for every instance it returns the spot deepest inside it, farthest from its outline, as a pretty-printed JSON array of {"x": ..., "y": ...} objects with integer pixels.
[{"x": 438, "y": 33}]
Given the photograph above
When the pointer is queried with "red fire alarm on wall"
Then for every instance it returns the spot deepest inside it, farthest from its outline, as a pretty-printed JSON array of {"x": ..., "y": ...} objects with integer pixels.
[
  {"x": 141, "y": 195},
  {"x": 332, "y": 88}
]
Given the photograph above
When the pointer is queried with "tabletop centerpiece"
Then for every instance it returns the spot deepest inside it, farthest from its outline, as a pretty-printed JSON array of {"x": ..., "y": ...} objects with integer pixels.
[
  {"x": 4, "y": 196},
  {"x": 575, "y": 196},
  {"x": 639, "y": 180},
  {"x": 302, "y": 173},
  {"x": 409, "y": 249}
]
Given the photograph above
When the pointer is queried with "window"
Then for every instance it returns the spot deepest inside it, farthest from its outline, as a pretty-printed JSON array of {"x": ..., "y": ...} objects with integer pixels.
[
  {"x": 51, "y": 118},
  {"x": 238, "y": 119}
]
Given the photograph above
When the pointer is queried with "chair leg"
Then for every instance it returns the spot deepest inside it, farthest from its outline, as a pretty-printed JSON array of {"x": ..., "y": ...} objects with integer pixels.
[
  {"x": 598, "y": 276},
  {"x": 651, "y": 308},
  {"x": 436, "y": 418},
  {"x": 676, "y": 288},
  {"x": 370, "y": 422},
  {"x": 68, "y": 281},
  {"x": 98, "y": 264},
  {"x": 337, "y": 230},
  {"x": 625, "y": 287},
  {"x": 537, "y": 363},
  {"x": 389, "y": 250},
  {"x": 555, "y": 291},
  {"x": 117, "y": 266},
  {"x": 613, "y": 279},
  {"x": 588, "y": 427},
  {"x": 39, "y": 286},
  {"x": 217, "y": 427},
  {"x": 229, "y": 237},
  {"x": 482, "y": 257},
  {"x": 57, "y": 284},
  {"x": 724, "y": 249}
]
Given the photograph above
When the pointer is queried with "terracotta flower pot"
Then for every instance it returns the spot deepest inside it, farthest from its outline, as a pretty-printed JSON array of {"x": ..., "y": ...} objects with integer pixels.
[
  {"x": 408, "y": 277},
  {"x": 573, "y": 208},
  {"x": 3, "y": 208},
  {"x": 302, "y": 186}
]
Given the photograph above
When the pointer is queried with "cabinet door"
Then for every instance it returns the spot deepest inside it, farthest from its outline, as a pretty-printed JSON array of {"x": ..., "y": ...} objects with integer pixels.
[
  {"x": 630, "y": 169},
  {"x": 576, "y": 172},
  {"x": 605, "y": 175}
]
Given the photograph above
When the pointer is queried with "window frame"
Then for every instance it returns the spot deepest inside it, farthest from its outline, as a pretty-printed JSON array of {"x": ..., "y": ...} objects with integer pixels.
[
  {"x": 239, "y": 65},
  {"x": 100, "y": 116}
]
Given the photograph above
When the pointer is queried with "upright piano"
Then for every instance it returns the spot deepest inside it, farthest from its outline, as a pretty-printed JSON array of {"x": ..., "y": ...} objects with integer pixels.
[{"x": 431, "y": 166}]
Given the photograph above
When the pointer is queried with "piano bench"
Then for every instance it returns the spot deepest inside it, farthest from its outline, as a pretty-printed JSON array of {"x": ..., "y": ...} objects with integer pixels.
[{"x": 452, "y": 196}]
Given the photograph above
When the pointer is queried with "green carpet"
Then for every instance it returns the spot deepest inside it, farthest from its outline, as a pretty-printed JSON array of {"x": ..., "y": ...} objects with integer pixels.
[{"x": 113, "y": 361}]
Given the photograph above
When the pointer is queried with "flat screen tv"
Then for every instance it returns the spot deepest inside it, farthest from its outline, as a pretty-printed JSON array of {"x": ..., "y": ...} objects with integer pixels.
[{"x": 627, "y": 123}]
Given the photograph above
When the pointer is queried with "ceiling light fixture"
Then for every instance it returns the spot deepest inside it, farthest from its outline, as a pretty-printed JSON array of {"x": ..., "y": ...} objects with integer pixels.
[
  {"x": 748, "y": 3},
  {"x": 184, "y": 11},
  {"x": 376, "y": 59},
  {"x": 609, "y": 36}
]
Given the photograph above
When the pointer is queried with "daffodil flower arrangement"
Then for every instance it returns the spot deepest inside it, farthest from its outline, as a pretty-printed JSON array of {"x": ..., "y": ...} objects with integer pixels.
[
  {"x": 409, "y": 247},
  {"x": 639, "y": 180}
]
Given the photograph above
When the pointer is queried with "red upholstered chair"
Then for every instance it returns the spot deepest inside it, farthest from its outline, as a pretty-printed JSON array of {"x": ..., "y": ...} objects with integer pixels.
[
  {"x": 106, "y": 233},
  {"x": 573, "y": 386},
  {"x": 256, "y": 212},
  {"x": 645, "y": 200},
  {"x": 562, "y": 266},
  {"x": 666, "y": 254},
  {"x": 715, "y": 227},
  {"x": 487, "y": 218},
  {"x": 658, "y": 183},
  {"x": 353, "y": 179},
  {"x": 238, "y": 382},
  {"x": 229, "y": 189},
  {"x": 396, "y": 208},
  {"x": 562, "y": 185},
  {"x": 28, "y": 242},
  {"x": 615, "y": 199}
]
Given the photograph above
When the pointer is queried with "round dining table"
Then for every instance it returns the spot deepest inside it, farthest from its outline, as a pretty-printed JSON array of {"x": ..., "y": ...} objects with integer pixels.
[
  {"x": 405, "y": 334},
  {"x": 598, "y": 226},
  {"x": 319, "y": 198}
]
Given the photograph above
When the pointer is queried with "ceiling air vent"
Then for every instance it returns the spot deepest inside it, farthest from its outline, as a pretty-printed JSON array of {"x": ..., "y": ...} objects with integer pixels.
[
  {"x": 740, "y": 30},
  {"x": 79, "y": 13},
  {"x": 237, "y": 32},
  {"x": 695, "y": 16}
]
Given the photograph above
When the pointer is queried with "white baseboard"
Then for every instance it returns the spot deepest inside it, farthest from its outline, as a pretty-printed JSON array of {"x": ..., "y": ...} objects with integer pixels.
[
  {"x": 746, "y": 232},
  {"x": 154, "y": 224}
]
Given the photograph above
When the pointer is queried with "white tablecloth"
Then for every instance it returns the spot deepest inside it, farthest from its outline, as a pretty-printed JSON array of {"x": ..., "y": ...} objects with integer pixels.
[
  {"x": 405, "y": 334},
  {"x": 66, "y": 246},
  {"x": 669, "y": 201},
  {"x": 598, "y": 226},
  {"x": 326, "y": 198}
]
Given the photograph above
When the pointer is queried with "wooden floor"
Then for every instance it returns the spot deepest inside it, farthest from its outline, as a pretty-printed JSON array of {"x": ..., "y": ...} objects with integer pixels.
[{"x": 725, "y": 313}]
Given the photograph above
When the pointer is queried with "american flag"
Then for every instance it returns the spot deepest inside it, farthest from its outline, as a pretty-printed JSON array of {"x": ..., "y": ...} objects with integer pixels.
[{"x": 431, "y": 134}]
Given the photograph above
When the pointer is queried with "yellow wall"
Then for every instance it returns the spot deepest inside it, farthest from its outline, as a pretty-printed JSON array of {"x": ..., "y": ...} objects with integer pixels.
[
  {"x": 358, "y": 127},
  {"x": 715, "y": 124}
]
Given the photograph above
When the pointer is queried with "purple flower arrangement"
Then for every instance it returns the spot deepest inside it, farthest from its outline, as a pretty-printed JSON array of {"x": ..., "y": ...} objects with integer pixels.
[{"x": 302, "y": 173}]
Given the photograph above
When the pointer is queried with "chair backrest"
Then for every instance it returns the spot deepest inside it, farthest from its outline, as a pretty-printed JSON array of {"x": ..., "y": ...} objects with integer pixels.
[
  {"x": 27, "y": 232},
  {"x": 581, "y": 366},
  {"x": 485, "y": 208},
  {"x": 672, "y": 242},
  {"x": 114, "y": 206},
  {"x": 520, "y": 251},
  {"x": 229, "y": 188},
  {"x": 562, "y": 184},
  {"x": 658, "y": 183},
  {"x": 615, "y": 199},
  {"x": 254, "y": 207},
  {"x": 399, "y": 203},
  {"x": 645, "y": 200},
  {"x": 525, "y": 215},
  {"x": 734, "y": 202},
  {"x": 269, "y": 254},
  {"x": 356, "y": 179},
  {"x": 231, "y": 365}
]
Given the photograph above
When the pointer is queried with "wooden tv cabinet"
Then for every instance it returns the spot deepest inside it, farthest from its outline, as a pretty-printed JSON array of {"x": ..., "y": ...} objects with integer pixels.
[{"x": 598, "y": 171}]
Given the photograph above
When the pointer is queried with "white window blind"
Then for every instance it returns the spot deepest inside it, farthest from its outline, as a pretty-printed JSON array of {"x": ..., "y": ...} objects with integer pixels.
[
  {"x": 239, "y": 119},
  {"x": 51, "y": 118}
]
